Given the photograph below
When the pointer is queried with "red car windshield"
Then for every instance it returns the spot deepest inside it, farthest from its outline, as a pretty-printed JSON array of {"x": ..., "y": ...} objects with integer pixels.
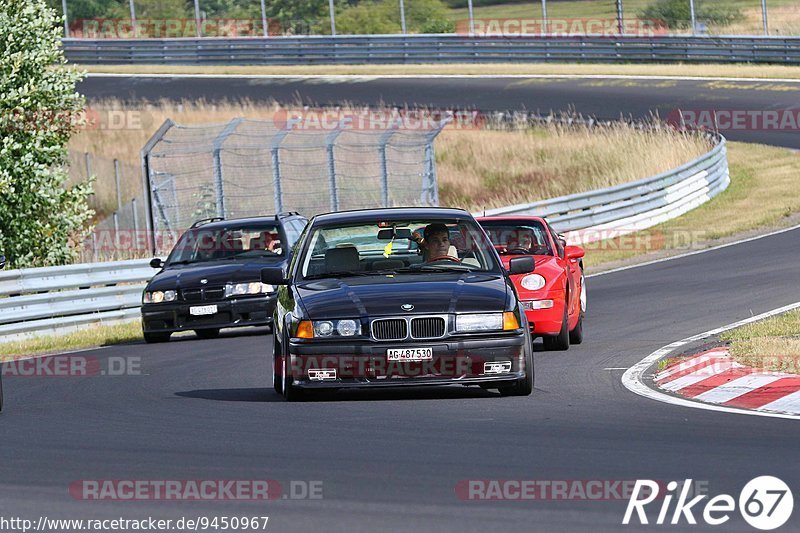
[{"x": 511, "y": 238}]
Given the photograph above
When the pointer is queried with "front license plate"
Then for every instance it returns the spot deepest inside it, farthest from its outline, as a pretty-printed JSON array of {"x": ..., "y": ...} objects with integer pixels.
[
  {"x": 200, "y": 310},
  {"x": 409, "y": 354}
]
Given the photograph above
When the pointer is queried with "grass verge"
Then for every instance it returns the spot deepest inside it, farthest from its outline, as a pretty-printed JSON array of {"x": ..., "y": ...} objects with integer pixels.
[
  {"x": 762, "y": 195},
  {"x": 549, "y": 69},
  {"x": 89, "y": 337},
  {"x": 772, "y": 344}
]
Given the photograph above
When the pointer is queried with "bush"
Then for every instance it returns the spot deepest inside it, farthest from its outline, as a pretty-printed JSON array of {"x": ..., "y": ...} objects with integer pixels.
[
  {"x": 39, "y": 111},
  {"x": 383, "y": 16},
  {"x": 677, "y": 13}
]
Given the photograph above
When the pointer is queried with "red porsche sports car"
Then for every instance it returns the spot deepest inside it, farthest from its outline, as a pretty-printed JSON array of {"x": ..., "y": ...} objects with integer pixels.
[{"x": 554, "y": 294}]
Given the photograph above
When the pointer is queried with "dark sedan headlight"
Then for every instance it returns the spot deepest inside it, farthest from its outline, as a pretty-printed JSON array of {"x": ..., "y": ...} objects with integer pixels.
[
  {"x": 473, "y": 323},
  {"x": 321, "y": 329},
  {"x": 244, "y": 289},
  {"x": 157, "y": 297}
]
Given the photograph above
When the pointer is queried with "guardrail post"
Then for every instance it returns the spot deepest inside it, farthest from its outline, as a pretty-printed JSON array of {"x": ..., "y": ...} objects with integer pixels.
[
  {"x": 384, "y": 140},
  {"x": 116, "y": 182},
  {"x": 135, "y": 218},
  {"x": 219, "y": 187},
  {"x": 144, "y": 156},
  {"x": 330, "y": 140},
  {"x": 87, "y": 159},
  {"x": 430, "y": 188},
  {"x": 276, "y": 166}
]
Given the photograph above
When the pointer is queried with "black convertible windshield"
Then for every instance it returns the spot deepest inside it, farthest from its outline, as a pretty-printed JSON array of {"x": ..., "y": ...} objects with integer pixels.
[
  {"x": 385, "y": 247},
  {"x": 203, "y": 244},
  {"x": 510, "y": 238}
]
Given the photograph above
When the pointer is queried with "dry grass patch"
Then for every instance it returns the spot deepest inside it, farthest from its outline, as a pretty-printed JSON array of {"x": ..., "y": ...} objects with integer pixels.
[
  {"x": 762, "y": 195},
  {"x": 88, "y": 337},
  {"x": 772, "y": 344},
  {"x": 486, "y": 169}
]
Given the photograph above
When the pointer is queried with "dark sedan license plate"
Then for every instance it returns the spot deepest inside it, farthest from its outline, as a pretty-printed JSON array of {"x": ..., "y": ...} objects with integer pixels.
[{"x": 409, "y": 354}]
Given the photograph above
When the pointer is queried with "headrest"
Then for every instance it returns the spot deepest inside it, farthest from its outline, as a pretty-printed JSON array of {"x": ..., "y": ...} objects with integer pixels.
[{"x": 342, "y": 259}]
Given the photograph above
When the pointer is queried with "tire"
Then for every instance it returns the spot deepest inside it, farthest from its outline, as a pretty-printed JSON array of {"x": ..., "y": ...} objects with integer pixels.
[
  {"x": 524, "y": 386},
  {"x": 212, "y": 333},
  {"x": 290, "y": 392},
  {"x": 153, "y": 337},
  {"x": 561, "y": 341},
  {"x": 277, "y": 383},
  {"x": 576, "y": 335}
]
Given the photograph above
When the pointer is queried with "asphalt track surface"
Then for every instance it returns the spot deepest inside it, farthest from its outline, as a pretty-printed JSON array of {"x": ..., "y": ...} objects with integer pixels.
[
  {"x": 391, "y": 460},
  {"x": 603, "y": 98}
]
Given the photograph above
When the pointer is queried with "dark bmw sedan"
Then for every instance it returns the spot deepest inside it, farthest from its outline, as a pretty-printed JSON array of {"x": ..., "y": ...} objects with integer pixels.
[
  {"x": 398, "y": 297},
  {"x": 212, "y": 277}
]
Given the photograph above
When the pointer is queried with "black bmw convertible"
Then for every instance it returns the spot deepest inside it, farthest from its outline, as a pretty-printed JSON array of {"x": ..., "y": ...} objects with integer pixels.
[{"x": 398, "y": 297}]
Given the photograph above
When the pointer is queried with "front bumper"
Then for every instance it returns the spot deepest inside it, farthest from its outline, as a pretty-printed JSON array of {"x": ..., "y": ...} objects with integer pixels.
[
  {"x": 365, "y": 363},
  {"x": 547, "y": 321},
  {"x": 234, "y": 312}
]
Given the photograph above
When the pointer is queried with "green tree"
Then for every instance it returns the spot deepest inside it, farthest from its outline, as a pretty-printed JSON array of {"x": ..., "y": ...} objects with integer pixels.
[
  {"x": 39, "y": 111},
  {"x": 677, "y": 14},
  {"x": 383, "y": 16}
]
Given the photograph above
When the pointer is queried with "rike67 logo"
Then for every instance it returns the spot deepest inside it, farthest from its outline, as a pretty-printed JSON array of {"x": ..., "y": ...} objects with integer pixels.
[{"x": 765, "y": 503}]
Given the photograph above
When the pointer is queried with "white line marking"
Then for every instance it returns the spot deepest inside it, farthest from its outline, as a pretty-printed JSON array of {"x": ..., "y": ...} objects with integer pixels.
[
  {"x": 695, "y": 252},
  {"x": 617, "y": 368},
  {"x": 437, "y": 76},
  {"x": 790, "y": 402},
  {"x": 737, "y": 387},
  {"x": 696, "y": 377},
  {"x": 632, "y": 379}
]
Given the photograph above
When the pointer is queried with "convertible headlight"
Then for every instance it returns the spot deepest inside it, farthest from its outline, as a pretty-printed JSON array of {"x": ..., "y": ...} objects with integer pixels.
[
  {"x": 482, "y": 322},
  {"x": 156, "y": 297},
  {"x": 241, "y": 289},
  {"x": 332, "y": 328},
  {"x": 533, "y": 282}
]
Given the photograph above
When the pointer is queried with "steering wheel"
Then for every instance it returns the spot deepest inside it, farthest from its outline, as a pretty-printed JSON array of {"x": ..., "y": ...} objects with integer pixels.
[
  {"x": 443, "y": 258},
  {"x": 517, "y": 251}
]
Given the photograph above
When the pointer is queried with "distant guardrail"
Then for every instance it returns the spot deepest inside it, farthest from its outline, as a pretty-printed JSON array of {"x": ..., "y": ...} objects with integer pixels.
[
  {"x": 432, "y": 48},
  {"x": 55, "y": 299},
  {"x": 636, "y": 205}
]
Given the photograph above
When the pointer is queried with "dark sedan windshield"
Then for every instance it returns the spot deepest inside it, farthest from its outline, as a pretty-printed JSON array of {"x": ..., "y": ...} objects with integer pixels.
[
  {"x": 397, "y": 246},
  {"x": 227, "y": 243},
  {"x": 509, "y": 238}
]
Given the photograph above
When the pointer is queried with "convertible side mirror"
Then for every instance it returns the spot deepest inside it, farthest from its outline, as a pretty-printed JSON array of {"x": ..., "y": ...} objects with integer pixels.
[
  {"x": 156, "y": 262},
  {"x": 574, "y": 252},
  {"x": 2, "y": 261},
  {"x": 521, "y": 265}
]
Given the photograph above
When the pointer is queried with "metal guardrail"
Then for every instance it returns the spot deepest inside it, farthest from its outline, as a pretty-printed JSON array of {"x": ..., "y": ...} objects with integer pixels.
[
  {"x": 432, "y": 48},
  {"x": 54, "y": 299},
  {"x": 636, "y": 205},
  {"x": 47, "y": 300}
]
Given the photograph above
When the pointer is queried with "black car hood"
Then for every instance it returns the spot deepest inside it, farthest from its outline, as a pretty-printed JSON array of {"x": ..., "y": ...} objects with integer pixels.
[
  {"x": 382, "y": 295},
  {"x": 217, "y": 273}
]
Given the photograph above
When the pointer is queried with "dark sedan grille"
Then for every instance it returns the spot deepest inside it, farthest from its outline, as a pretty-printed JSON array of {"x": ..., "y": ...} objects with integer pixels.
[
  {"x": 390, "y": 329},
  {"x": 199, "y": 295},
  {"x": 427, "y": 328}
]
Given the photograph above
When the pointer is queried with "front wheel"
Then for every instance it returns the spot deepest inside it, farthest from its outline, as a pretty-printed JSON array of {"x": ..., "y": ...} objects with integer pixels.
[
  {"x": 576, "y": 335},
  {"x": 153, "y": 337},
  {"x": 524, "y": 386},
  {"x": 212, "y": 333},
  {"x": 277, "y": 382},
  {"x": 560, "y": 341},
  {"x": 290, "y": 392}
]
